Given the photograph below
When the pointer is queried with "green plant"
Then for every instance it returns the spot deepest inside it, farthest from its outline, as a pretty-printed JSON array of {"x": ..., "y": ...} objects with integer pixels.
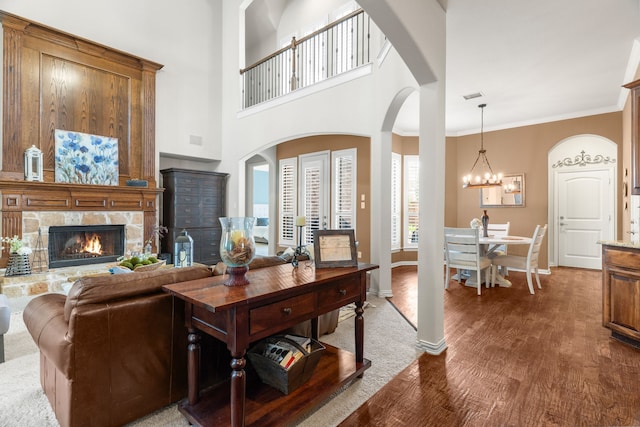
[{"x": 15, "y": 243}]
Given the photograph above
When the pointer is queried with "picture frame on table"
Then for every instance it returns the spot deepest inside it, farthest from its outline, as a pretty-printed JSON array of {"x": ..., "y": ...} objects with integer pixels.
[{"x": 334, "y": 248}]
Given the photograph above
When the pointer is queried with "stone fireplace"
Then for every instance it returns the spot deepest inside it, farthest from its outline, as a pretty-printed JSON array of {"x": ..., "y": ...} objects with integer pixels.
[
  {"x": 116, "y": 100},
  {"x": 36, "y": 229},
  {"x": 121, "y": 232},
  {"x": 84, "y": 244}
]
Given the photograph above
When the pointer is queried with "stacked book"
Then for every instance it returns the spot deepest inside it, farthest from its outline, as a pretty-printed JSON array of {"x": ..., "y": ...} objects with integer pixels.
[{"x": 285, "y": 353}]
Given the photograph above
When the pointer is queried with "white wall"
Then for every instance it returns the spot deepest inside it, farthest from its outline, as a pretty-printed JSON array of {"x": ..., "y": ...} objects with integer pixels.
[
  {"x": 302, "y": 17},
  {"x": 356, "y": 107},
  {"x": 185, "y": 40}
]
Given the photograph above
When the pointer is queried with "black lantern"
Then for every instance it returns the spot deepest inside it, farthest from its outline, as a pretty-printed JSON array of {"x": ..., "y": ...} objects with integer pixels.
[{"x": 183, "y": 251}]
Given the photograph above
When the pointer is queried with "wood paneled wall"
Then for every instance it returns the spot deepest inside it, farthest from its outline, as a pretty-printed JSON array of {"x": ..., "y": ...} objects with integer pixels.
[{"x": 54, "y": 80}]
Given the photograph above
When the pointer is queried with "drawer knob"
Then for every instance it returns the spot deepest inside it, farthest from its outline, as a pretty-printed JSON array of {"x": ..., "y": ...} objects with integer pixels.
[
  {"x": 342, "y": 292},
  {"x": 286, "y": 311}
]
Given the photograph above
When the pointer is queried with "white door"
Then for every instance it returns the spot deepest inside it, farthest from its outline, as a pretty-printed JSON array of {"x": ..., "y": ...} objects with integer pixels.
[
  {"x": 585, "y": 216},
  {"x": 314, "y": 195}
]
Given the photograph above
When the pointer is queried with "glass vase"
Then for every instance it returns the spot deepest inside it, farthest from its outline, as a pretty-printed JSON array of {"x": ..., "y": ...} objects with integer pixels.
[{"x": 237, "y": 248}]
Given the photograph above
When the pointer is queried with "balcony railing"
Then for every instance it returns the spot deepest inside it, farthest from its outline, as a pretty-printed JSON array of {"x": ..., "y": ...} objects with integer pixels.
[{"x": 337, "y": 48}]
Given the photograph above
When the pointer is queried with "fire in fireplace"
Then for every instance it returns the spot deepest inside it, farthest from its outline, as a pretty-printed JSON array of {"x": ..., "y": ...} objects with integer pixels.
[{"x": 85, "y": 244}]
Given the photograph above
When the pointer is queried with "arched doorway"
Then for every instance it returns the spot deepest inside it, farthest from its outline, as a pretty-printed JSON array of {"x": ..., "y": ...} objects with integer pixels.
[{"x": 582, "y": 205}]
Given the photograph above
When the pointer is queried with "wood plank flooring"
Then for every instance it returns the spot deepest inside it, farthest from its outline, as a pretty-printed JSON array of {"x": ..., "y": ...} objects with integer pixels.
[{"x": 515, "y": 359}]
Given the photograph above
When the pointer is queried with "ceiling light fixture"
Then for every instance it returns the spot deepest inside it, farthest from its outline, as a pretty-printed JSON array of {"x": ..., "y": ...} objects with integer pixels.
[{"x": 484, "y": 176}]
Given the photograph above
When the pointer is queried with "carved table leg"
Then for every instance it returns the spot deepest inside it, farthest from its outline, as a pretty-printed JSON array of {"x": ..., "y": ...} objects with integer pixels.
[
  {"x": 193, "y": 366},
  {"x": 359, "y": 333},
  {"x": 238, "y": 385}
]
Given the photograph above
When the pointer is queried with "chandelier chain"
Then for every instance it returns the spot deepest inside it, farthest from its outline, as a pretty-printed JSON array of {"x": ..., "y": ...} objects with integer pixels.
[{"x": 490, "y": 179}]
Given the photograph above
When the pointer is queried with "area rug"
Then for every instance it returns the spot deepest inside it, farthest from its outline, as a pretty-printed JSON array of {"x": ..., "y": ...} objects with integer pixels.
[
  {"x": 348, "y": 311},
  {"x": 389, "y": 344}
]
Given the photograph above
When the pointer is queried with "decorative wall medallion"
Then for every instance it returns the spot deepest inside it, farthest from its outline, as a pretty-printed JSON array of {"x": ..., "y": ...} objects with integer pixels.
[
  {"x": 82, "y": 158},
  {"x": 583, "y": 159}
]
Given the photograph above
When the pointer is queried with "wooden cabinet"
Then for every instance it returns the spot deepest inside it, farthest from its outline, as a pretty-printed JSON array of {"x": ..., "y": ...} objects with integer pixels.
[
  {"x": 193, "y": 201},
  {"x": 635, "y": 136},
  {"x": 621, "y": 292}
]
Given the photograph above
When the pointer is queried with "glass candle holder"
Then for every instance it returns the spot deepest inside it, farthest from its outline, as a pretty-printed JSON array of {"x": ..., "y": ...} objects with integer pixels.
[{"x": 237, "y": 248}]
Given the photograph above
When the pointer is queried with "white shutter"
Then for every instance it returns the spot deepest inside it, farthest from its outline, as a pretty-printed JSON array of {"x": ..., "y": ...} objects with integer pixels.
[
  {"x": 312, "y": 211},
  {"x": 287, "y": 201},
  {"x": 411, "y": 201},
  {"x": 344, "y": 188},
  {"x": 314, "y": 184},
  {"x": 396, "y": 201}
]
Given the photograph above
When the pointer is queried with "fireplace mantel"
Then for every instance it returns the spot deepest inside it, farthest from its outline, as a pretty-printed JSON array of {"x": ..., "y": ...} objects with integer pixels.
[
  {"x": 20, "y": 196},
  {"x": 29, "y": 196}
]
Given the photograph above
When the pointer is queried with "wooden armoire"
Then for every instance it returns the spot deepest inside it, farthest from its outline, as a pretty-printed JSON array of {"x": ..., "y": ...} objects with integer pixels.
[{"x": 193, "y": 201}]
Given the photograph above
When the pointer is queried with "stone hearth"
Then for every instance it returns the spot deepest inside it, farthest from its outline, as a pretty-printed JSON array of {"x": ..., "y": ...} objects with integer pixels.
[
  {"x": 47, "y": 281},
  {"x": 42, "y": 279}
]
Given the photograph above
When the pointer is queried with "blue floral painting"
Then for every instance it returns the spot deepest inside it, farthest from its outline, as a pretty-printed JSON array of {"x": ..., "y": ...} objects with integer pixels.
[{"x": 82, "y": 158}]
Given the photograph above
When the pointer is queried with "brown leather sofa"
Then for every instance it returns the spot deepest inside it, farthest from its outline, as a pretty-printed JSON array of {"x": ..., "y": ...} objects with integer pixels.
[{"x": 114, "y": 349}]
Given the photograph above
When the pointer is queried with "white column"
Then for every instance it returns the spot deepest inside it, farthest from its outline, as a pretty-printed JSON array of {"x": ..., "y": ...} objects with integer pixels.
[
  {"x": 430, "y": 246},
  {"x": 381, "y": 220}
]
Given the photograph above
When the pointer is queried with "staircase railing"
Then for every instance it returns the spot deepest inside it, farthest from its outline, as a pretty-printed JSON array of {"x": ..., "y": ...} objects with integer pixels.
[{"x": 336, "y": 48}]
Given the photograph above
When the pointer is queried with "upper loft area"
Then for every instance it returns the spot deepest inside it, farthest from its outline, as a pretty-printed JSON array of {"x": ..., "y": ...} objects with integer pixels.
[{"x": 291, "y": 54}]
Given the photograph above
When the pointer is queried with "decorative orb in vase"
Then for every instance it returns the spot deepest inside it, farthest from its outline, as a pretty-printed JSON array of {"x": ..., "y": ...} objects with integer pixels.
[{"x": 237, "y": 248}]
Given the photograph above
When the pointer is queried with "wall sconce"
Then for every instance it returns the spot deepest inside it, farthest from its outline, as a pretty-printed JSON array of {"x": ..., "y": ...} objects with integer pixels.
[
  {"x": 183, "y": 250},
  {"x": 33, "y": 164}
]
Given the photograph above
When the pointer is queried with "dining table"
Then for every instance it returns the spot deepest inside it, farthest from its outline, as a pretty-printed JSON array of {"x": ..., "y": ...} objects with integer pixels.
[{"x": 488, "y": 246}]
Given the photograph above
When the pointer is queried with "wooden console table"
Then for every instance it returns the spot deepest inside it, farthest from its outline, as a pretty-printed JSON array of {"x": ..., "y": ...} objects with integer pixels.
[{"x": 277, "y": 298}]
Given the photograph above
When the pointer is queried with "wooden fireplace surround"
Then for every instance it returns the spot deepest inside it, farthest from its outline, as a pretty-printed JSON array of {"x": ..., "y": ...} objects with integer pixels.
[{"x": 54, "y": 80}]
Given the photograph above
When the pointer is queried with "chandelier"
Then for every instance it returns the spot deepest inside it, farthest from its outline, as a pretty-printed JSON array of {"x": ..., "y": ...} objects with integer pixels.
[{"x": 483, "y": 176}]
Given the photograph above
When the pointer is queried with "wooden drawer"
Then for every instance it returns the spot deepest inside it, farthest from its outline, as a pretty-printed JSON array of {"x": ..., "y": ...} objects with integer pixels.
[
  {"x": 621, "y": 258},
  {"x": 338, "y": 294},
  {"x": 281, "y": 312},
  {"x": 188, "y": 180},
  {"x": 187, "y": 198}
]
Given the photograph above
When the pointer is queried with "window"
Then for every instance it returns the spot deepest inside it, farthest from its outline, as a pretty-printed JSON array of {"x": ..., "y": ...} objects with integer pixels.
[
  {"x": 344, "y": 189},
  {"x": 287, "y": 201},
  {"x": 411, "y": 201},
  {"x": 396, "y": 201},
  {"x": 306, "y": 193}
]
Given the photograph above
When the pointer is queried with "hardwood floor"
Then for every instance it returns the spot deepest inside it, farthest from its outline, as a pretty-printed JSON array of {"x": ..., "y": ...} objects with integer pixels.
[
  {"x": 405, "y": 293},
  {"x": 514, "y": 359}
]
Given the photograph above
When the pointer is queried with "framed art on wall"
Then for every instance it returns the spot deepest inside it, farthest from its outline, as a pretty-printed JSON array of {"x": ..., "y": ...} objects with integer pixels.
[{"x": 81, "y": 158}]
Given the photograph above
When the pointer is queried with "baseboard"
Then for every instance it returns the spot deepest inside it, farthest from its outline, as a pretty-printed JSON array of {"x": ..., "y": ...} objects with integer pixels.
[
  {"x": 432, "y": 348},
  {"x": 403, "y": 263},
  {"x": 540, "y": 271}
]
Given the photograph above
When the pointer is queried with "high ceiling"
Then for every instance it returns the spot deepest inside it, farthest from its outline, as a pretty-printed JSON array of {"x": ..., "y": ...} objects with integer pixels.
[{"x": 533, "y": 62}]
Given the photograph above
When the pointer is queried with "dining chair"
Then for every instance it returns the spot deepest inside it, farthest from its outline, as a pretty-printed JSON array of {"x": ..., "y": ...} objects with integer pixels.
[
  {"x": 528, "y": 263},
  {"x": 462, "y": 251},
  {"x": 499, "y": 230}
]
